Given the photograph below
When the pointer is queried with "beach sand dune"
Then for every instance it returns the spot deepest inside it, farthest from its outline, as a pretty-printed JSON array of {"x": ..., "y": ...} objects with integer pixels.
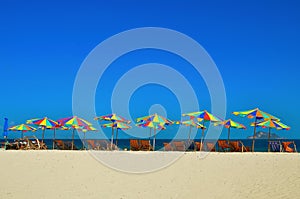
[{"x": 76, "y": 174}]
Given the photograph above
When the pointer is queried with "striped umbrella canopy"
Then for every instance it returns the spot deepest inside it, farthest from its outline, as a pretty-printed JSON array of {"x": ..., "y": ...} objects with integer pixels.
[
  {"x": 230, "y": 124},
  {"x": 73, "y": 122},
  {"x": 202, "y": 116},
  {"x": 113, "y": 118},
  {"x": 45, "y": 123},
  {"x": 155, "y": 118},
  {"x": 257, "y": 114},
  {"x": 191, "y": 124},
  {"x": 155, "y": 122},
  {"x": 269, "y": 123},
  {"x": 23, "y": 128},
  {"x": 118, "y": 126}
]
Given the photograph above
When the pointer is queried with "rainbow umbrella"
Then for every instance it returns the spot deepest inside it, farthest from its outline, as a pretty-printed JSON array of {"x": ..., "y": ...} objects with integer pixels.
[
  {"x": 114, "y": 119},
  {"x": 118, "y": 126},
  {"x": 154, "y": 121},
  {"x": 269, "y": 123},
  {"x": 44, "y": 123},
  {"x": 258, "y": 115},
  {"x": 152, "y": 125},
  {"x": 23, "y": 128},
  {"x": 230, "y": 124},
  {"x": 85, "y": 129},
  {"x": 73, "y": 122},
  {"x": 203, "y": 116},
  {"x": 191, "y": 124}
]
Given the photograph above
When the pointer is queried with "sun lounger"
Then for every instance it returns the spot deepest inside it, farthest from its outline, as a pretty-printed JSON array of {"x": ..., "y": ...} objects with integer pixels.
[
  {"x": 168, "y": 146},
  {"x": 63, "y": 145},
  {"x": 179, "y": 146},
  {"x": 210, "y": 146},
  {"x": 289, "y": 147},
  {"x": 145, "y": 145},
  {"x": 224, "y": 146},
  {"x": 238, "y": 146},
  {"x": 92, "y": 145},
  {"x": 275, "y": 146},
  {"x": 134, "y": 145}
]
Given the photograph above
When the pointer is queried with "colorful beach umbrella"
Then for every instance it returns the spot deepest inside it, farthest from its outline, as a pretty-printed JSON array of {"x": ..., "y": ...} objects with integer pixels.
[
  {"x": 74, "y": 123},
  {"x": 85, "y": 129},
  {"x": 155, "y": 122},
  {"x": 191, "y": 124},
  {"x": 257, "y": 114},
  {"x": 269, "y": 123},
  {"x": 23, "y": 128},
  {"x": 44, "y": 123},
  {"x": 202, "y": 116},
  {"x": 230, "y": 124},
  {"x": 114, "y": 119},
  {"x": 118, "y": 126}
]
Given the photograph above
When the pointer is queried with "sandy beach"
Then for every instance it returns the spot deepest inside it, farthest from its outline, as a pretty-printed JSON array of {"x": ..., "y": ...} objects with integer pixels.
[{"x": 76, "y": 174}]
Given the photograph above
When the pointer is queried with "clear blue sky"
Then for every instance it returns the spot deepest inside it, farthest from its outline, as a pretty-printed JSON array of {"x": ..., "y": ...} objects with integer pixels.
[{"x": 255, "y": 45}]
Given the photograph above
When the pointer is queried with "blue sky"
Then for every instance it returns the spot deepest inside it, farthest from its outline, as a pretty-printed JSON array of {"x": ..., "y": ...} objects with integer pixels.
[{"x": 255, "y": 45}]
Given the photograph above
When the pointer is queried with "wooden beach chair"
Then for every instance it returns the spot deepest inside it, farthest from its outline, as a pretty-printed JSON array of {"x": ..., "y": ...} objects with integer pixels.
[
  {"x": 238, "y": 146},
  {"x": 210, "y": 146},
  {"x": 168, "y": 146},
  {"x": 275, "y": 146},
  {"x": 145, "y": 145},
  {"x": 224, "y": 146},
  {"x": 179, "y": 146},
  {"x": 134, "y": 145},
  {"x": 289, "y": 147},
  {"x": 92, "y": 145},
  {"x": 62, "y": 145},
  {"x": 105, "y": 145}
]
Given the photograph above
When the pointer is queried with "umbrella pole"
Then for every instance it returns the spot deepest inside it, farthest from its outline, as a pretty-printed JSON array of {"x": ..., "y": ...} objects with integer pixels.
[
  {"x": 53, "y": 139},
  {"x": 228, "y": 135},
  {"x": 112, "y": 138},
  {"x": 43, "y": 134},
  {"x": 117, "y": 137},
  {"x": 254, "y": 135},
  {"x": 73, "y": 139},
  {"x": 154, "y": 139},
  {"x": 83, "y": 140},
  {"x": 269, "y": 139},
  {"x": 189, "y": 136},
  {"x": 202, "y": 136}
]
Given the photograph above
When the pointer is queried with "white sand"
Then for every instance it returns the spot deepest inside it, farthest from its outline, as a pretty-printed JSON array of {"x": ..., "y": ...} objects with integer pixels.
[{"x": 67, "y": 174}]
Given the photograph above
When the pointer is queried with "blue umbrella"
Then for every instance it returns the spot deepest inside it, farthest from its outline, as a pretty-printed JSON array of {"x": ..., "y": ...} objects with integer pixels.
[{"x": 5, "y": 128}]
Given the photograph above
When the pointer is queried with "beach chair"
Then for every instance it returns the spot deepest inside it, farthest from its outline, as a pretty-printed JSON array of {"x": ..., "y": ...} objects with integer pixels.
[
  {"x": 210, "y": 146},
  {"x": 289, "y": 147},
  {"x": 197, "y": 146},
  {"x": 275, "y": 146},
  {"x": 168, "y": 146},
  {"x": 145, "y": 145},
  {"x": 92, "y": 145},
  {"x": 238, "y": 146},
  {"x": 62, "y": 145},
  {"x": 179, "y": 146},
  {"x": 224, "y": 146},
  {"x": 105, "y": 145},
  {"x": 134, "y": 145}
]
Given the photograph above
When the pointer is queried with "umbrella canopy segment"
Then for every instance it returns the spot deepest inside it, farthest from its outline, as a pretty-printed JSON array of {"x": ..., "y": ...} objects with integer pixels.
[
  {"x": 23, "y": 128},
  {"x": 269, "y": 123},
  {"x": 113, "y": 118}
]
